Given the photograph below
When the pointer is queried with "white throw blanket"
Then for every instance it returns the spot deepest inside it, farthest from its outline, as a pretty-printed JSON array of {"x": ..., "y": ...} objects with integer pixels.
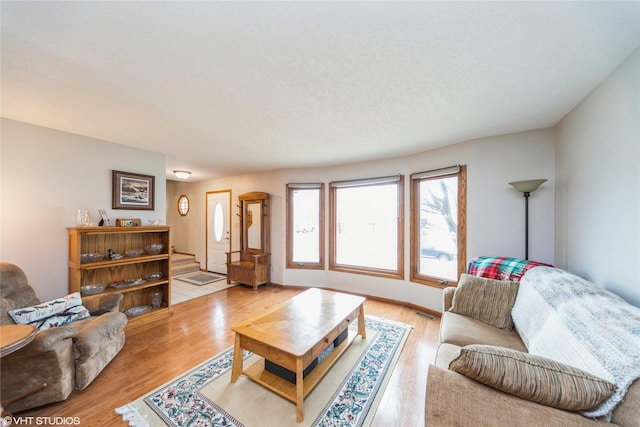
[{"x": 566, "y": 318}]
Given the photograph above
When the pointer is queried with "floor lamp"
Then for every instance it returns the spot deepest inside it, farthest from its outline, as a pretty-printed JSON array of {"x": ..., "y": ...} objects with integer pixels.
[{"x": 526, "y": 188}]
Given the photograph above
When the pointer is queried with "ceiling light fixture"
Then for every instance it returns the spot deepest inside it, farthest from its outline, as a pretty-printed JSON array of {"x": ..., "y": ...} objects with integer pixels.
[{"x": 182, "y": 174}]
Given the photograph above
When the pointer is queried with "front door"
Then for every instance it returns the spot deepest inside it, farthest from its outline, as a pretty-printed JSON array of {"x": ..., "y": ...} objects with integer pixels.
[{"x": 218, "y": 229}]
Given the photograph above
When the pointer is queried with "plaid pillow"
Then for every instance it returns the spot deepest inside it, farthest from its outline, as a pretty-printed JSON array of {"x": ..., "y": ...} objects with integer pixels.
[{"x": 501, "y": 268}]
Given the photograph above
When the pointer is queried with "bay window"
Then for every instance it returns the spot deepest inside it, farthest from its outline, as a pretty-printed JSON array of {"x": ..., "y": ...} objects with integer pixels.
[
  {"x": 366, "y": 226},
  {"x": 305, "y": 226},
  {"x": 438, "y": 226}
]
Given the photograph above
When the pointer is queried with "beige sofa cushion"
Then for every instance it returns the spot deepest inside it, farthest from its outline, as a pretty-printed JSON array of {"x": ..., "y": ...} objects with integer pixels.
[
  {"x": 445, "y": 354},
  {"x": 531, "y": 377},
  {"x": 455, "y": 400},
  {"x": 627, "y": 413},
  {"x": 462, "y": 330},
  {"x": 487, "y": 300}
]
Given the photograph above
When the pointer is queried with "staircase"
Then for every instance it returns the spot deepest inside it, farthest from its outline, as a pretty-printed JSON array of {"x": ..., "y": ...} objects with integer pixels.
[{"x": 183, "y": 264}]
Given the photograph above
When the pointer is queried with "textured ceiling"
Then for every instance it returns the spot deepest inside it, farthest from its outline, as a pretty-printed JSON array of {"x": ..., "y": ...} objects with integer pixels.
[{"x": 229, "y": 87}]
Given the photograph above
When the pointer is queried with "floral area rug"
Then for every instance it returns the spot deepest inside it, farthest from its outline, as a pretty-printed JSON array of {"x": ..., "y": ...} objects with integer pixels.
[{"x": 347, "y": 396}]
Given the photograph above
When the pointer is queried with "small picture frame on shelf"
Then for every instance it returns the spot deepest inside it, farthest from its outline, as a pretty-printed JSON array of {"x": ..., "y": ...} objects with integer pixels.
[
  {"x": 105, "y": 220},
  {"x": 133, "y": 191},
  {"x": 128, "y": 222}
]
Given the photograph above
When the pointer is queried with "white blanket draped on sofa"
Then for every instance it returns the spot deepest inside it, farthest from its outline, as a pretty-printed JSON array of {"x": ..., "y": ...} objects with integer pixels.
[{"x": 568, "y": 319}]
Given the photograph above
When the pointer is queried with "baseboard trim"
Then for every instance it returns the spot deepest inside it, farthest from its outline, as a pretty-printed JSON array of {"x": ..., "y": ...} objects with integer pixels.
[{"x": 432, "y": 313}]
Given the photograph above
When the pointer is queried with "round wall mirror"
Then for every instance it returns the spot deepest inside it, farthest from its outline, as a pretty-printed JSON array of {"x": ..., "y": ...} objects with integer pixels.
[{"x": 183, "y": 205}]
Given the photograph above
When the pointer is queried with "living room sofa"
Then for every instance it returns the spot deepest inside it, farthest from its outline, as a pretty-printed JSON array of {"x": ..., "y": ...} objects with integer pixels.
[{"x": 527, "y": 353}]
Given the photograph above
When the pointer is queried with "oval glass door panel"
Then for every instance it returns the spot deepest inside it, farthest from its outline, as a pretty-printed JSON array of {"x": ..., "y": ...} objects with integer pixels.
[{"x": 218, "y": 220}]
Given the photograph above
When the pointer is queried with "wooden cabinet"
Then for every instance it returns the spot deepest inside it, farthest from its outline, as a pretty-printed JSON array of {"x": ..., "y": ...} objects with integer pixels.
[
  {"x": 254, "y": 264},
  {"x": 118, "y": 274}
]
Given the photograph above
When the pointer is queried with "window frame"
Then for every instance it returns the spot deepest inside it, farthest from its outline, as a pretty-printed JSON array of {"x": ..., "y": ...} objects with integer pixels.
[
  {"x": 183, "y": 205},
  {"x": 290, "y": 263},
  {"x": 415, "y": 227},
  {"x": 370, "y": 271}
]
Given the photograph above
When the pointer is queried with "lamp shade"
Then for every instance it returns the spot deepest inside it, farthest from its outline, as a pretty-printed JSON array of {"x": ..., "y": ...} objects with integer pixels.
[{"x": 528, "y": 186}]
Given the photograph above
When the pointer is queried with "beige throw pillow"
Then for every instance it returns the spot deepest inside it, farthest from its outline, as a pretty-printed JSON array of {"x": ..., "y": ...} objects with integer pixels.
[
  {"x": 487, "y": 300},
  {"x": 531, "y": 377}
]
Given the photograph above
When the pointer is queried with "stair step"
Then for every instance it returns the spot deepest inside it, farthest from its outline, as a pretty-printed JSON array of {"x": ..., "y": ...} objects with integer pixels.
[
  {"x": 184, "y": 269},
  {"x": 183, "y": 264},
  {"x": 178, "y": 258}
]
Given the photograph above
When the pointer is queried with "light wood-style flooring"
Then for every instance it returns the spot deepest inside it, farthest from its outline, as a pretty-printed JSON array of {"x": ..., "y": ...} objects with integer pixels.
[{"x": 200, "y": 328}]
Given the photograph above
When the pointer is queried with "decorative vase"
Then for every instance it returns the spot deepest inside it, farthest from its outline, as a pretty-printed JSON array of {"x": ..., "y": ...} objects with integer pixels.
[
  {"x": 156, "y": 299},
  {"x": 82, "y": 217}
]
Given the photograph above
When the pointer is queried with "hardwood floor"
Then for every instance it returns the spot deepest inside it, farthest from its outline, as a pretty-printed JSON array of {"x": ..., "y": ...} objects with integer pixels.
[{"x": 199, "y": 329}]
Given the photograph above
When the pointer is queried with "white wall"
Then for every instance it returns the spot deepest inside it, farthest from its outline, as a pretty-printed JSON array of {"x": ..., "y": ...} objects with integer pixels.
[
  {"x": 591, "y": 203},
  {"x": 45, "y": 177},
  {"x": 495, "y": 211},
  {"x": 185, "y": 240},
  {"x": 598, "y": 184}
]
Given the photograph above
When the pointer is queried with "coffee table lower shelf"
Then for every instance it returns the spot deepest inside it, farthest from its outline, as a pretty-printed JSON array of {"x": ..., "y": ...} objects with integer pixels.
[{"x": 286, "y": 389}]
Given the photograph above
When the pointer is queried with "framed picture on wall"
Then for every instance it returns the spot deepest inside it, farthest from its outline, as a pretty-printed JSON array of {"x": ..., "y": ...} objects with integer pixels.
[{"x": 133, "y": 191}]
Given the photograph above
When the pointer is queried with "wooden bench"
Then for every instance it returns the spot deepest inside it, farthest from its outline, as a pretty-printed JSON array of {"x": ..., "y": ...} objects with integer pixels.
[{"x": 252, "y": 268}]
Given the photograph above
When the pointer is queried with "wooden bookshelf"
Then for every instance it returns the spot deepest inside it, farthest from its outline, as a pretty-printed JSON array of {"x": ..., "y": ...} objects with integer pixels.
[{"x": 113, "y": 271}]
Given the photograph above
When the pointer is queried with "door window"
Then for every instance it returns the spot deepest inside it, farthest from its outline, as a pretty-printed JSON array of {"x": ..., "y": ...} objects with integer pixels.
[{"x": 218, "y": 221}]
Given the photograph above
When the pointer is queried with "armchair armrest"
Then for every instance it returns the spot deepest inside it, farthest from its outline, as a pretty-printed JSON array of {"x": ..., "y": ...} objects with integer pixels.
[
  {"x": 94, "y": 331},
  {"x": 447, "y": 298},
  {"x": 262, "y": 259},
  {"x": 230, "y": 254},
  {"x": 45, "y": 339},
  {"x": 102, "y": 303}
]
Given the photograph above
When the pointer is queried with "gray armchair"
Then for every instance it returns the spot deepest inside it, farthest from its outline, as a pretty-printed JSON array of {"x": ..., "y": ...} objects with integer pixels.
[{"x": 64, "y": 358}]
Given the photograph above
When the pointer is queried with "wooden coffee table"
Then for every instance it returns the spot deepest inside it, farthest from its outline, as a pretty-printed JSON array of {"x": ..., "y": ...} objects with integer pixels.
[{"x": 292, "y": 335}]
